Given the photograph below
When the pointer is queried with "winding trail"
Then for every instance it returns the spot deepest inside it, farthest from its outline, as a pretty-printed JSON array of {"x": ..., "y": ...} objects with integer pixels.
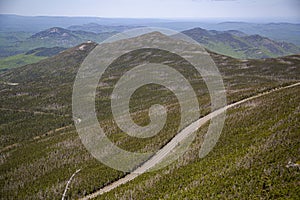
[
  {"x": 163, "y": 152},
  {"x": 68, "y": 183}
]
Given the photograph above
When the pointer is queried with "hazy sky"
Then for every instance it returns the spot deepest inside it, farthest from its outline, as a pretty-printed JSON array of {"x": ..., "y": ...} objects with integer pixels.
[{"x": 235, "y": 9}]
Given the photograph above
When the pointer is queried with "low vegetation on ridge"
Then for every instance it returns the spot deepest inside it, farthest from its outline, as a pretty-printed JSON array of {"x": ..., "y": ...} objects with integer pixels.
[{"x": 40, "y": 148}]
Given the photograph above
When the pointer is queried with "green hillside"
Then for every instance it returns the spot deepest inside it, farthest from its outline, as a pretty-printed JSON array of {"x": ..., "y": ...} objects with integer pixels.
[
  {"x": 240, "y": 45},
  {"x": 29, "y": 57},
  {"x": 40, "y": 148},
  {"x": 53, "y": 37},
  {"x": 19, "y": 60},
  {"x": 250, "y": 160}
]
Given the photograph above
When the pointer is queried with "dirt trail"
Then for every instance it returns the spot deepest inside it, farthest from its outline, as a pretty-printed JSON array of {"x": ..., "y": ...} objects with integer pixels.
[{"x": 163, "y": 152}]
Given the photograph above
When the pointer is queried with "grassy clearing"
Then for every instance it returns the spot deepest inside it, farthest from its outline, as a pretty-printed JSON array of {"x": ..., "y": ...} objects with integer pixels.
[{"x": 19, "y": 60}]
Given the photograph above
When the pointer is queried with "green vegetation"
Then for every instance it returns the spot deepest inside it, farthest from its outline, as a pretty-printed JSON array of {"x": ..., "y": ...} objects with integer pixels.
[
  {"x": 40, "y": 148},
  {"x": 239, "y": 45},
  {"x": 29, "y": 57},
  {"x": 249, "y": 161},
  {"x": 19, "y": 43},
  {"x": 278, "y": 31},
  {"x": 9, "y": 38},
  {"x": 19, "y": 60}
]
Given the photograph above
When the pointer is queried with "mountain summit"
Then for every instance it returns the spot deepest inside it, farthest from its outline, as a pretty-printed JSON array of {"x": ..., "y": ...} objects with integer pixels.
[
  {"x": 240, "y": 45},
  {"x": 55, "y": 32}
]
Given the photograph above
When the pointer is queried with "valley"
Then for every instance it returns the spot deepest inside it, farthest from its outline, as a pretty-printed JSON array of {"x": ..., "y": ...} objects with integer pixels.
[
  {"x": 40, "y": 148},
  {"x": 16, "y": 47},
  {"x": 143, "y": 100}
]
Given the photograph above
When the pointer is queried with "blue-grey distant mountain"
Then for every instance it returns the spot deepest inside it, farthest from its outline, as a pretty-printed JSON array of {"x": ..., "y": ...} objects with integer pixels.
[
  {"x": 288, "y": 32},
  {"x": 278, "y": 31},
  {"x": 240, "y": 45},
  {"x": 52, "y": 37},
  {"x": 233, "y": 43},
  {"x": 15, "y": 23},
  {"x": 66, "y": 38},
  {"x": 97, "y": 28}
]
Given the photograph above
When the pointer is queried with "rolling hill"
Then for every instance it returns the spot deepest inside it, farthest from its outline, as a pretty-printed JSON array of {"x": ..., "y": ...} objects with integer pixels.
[
  {"x": 40, "y": 148},
  {"x": 60, "y": 37},
  {"x": 288, "y": 32},
  {"x": 17, "y": 48},
  {"x": 240, "y": 45},
  {"x": 53, "y": 37},
  {"x": 29, "y": 57}
]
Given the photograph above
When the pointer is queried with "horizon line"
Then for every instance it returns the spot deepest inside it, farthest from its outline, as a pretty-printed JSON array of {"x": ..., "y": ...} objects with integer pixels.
[{"x": 175, "y": 19}]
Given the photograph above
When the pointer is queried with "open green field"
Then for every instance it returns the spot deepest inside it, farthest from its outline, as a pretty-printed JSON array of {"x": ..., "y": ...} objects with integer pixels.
[{"x": 19, "y": 60}]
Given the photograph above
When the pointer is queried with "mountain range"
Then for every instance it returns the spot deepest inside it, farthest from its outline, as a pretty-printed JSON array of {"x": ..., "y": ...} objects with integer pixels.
[
  {"x": 240, "y": 45},
  {"x": 279, "y": 31},
  {"x": 97, "y": 28},
  {"x": 40, "y": 148},
  {"x": 232, "y": 43},
  {"x": 16, "y": 50}
]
